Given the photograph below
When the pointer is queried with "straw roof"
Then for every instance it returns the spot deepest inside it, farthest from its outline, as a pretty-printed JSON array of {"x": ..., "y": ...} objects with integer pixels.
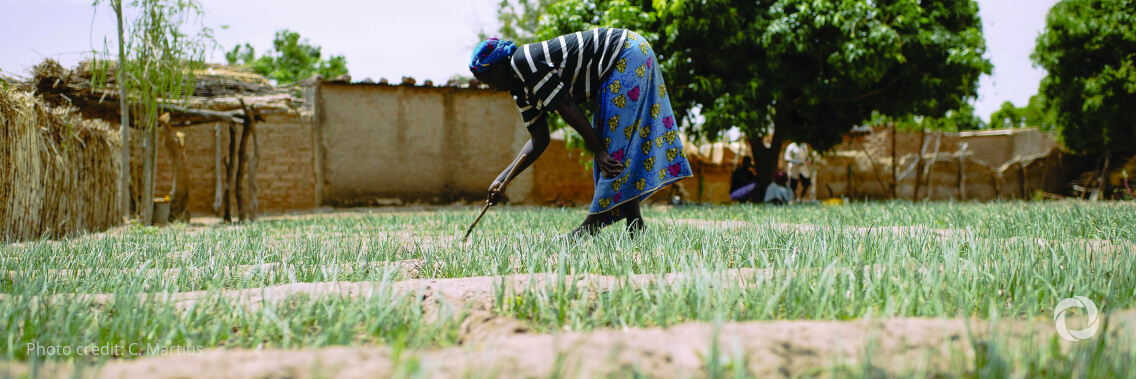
[{"x": 216, "y": 96}]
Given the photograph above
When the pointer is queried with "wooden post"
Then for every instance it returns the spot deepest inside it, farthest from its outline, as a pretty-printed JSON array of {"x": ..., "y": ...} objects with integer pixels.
[
  {"x": 1022, "y": 180},
  {"x": 254, "y": 162},
  {"x": 894, "y": 164},
  {"x": 230, "y": 173},
  {"x": 242, "y": 159},
  {"x": 851, "y": 184},
  {"x": 175, "y": 146},
  {"x": 242, "y": 162},
  {"x": 918, "y": 163},
  {"x": 219, "y": 190},
  {"x": 962, "y": 171},
  {"x": 1045, "y": 172},
  {"x": 928, "y": 168}
]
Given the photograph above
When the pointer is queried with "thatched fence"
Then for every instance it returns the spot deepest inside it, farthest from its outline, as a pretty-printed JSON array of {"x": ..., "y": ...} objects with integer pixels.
[{"x": 58, "y": 172}]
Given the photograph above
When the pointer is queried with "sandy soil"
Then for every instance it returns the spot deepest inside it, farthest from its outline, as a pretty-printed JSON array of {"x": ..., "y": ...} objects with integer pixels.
[{"x": 782, "y": 348}]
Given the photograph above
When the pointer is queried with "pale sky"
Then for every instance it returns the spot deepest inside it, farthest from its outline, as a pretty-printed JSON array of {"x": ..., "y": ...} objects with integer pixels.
[{"x": 424, "y": 39}]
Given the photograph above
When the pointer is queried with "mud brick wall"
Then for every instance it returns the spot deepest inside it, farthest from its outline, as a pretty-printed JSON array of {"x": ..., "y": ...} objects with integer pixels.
[
  {"x": 285, "y": 175},
  {"x": 562, "y": 177},
  {"x": 383, "y": 144},
  {"x": 849, "y": 170}
]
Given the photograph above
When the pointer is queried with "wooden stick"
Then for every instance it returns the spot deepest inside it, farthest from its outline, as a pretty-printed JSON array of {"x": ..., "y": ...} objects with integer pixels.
[{"x": 508, "y": 177}]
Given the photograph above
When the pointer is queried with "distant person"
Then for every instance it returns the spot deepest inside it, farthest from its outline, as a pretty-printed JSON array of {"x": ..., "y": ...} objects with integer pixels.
[
  {"x": 778, "y": 192},
  {"x": 743, "y": 181},
  {"x": 635, "y": 135},
  {"x": 799, "y": 168}
]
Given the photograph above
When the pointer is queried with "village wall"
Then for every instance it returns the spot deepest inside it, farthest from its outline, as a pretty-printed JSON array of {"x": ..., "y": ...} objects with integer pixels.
[
  {"x": 380, "y": 144},
  {"x": 995, "y": 164}
]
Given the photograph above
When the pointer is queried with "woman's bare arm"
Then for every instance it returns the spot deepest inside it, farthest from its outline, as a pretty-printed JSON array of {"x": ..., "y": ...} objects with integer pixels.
[{"x": 539, "y": 138}]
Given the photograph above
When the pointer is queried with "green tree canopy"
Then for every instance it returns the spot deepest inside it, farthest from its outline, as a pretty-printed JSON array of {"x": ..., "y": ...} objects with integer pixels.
[
  {"x": 1034, "y": 114},
  {"x": 957, "y": 120},
  {"x": 290, "y": 60},
  {"x": 1089, "y": 49},
  {"x": 1008, "y": 116}
]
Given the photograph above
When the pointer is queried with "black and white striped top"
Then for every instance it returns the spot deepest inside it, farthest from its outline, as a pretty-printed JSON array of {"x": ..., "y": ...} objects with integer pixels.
[{"x": 577, "y": 62}]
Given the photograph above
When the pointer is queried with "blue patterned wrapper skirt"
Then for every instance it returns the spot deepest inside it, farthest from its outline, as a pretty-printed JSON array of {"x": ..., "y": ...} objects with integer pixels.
[{"x": 634, "y": 120}]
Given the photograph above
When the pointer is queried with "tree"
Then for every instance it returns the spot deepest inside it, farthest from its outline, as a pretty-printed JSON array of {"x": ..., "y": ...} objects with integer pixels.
[
  {"x": 963, "y": 119},
  {"x": 1008, "y": 116},
  {"x": 519, "y": 21},
  {"x": 1088, "y": 48},
  {"x": 156, "y": 62},
  {"x": 1038, "y": 113},
  {"x": 805, "y": 70},
  {"x": 292, "y": 59}
]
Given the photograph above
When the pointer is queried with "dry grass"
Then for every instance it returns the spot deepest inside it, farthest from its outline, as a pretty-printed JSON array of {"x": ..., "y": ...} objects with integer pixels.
[{"x": 60, "y": 172}]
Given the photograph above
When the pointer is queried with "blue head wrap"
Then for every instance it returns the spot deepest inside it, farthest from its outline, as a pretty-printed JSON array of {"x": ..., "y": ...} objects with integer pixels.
[{"x": 489, "y": 52}]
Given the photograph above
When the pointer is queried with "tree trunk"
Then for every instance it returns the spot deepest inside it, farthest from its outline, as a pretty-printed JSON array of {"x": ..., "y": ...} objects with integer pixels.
[
  {"x": 766, "y": 159},
  {"x": 146, "y": 203},
  {"x": 179, "y": 194},
  {"x": 230, "y": 174},
  {"x": 1102, "y": 180},
  {"x": 124, "y": 164},
  {"x": 242, "y": 160}
]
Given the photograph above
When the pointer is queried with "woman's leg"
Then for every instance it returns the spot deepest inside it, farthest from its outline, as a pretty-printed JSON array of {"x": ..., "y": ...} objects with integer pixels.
[
  {"x": 634, "y": 218},
  {"x": 591, "y": 224},
  {"x": 594, "y": 222}
]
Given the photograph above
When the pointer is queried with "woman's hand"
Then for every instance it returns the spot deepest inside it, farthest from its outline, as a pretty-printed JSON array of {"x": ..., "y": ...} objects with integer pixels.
[
  {"x": 609, "y": 167},
  {"x": 496, "y": 190}
]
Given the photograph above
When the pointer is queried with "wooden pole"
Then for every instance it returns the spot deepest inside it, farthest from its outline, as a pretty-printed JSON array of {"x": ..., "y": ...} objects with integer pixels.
[
  {"x": 242, "y": 160},
  {"x": 230, "y": 173},
  {"x": 894, "y": 164},
  {"x": 1022, "y": 180},
  {"x": 179, "y": 194},
  {"x": 508, "y": 177},
  {"x": 962, "y": 171},
  {"x": 218, "y": 168},
  {"x": 919, "y": 164},
  {"x": 252, "y": 117},
  {"x": 254, "y": 162},
  {"x": 124, "y": 164}
]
